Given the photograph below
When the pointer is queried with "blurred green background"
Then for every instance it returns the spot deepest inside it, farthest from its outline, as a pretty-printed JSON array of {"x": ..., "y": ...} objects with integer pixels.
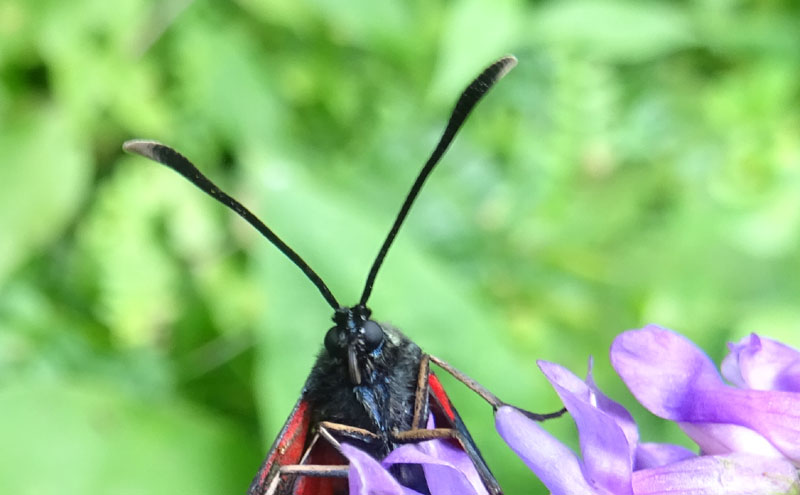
[{"x": 641, "y": 164}]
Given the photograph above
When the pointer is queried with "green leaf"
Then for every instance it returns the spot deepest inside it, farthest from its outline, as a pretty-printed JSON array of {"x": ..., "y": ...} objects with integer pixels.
[
  {"x": 612, "y": 30},
  {"x": 45, "y": 172},
  {"x": 138, "y": 281},
  {"x": 77, "y": 438}
]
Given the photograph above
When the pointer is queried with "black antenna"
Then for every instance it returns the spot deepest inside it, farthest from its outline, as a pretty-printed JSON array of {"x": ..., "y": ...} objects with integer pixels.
[
  {"x": 469, "y": 98},
  {"x": 177, "y": 162}
]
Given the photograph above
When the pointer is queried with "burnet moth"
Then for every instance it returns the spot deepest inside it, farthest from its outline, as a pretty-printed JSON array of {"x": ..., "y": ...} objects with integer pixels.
[{"x": 371, "y": 386}]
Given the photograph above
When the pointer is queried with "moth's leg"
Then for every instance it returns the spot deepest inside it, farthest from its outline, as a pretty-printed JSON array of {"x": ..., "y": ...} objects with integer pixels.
[
  {"x": 421, "y": 397},
  {"x": 311, "y": 445},
  {"x": 489, "y": 397},
  {"x": 420, "y": 434},
  {"x": 326, "y": 428},
  {"x": 294, "y": 470},
  {"x": 469, "y": 382},
  {"x": 316, "y": 470},
  {"x": 273, "y": 485}
]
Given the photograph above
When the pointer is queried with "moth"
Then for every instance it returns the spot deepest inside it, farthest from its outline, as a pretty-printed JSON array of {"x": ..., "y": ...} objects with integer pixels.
[{"x": 371, "y": 385}]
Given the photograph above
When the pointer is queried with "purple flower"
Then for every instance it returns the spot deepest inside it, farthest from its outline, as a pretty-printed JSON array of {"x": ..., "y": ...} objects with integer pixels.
[
  {"x": 675, "y": 380},
  {"x": 614, "y": 462},
  {"x": 762, "y": 364},
  {"x": 749, "y": 434},
  {"x": 448, "y": 469},
  {"x": 368, "y": 477},
  {"x": 734, "y": 474}
]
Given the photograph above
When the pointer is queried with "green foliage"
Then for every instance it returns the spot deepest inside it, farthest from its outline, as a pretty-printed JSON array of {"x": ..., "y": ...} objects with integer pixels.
[{"x": 641, "y": 164}]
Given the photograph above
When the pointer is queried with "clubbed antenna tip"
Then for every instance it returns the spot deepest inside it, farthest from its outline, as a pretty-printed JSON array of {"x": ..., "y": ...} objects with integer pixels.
[
  {"x": 174, "y": 160},
  {"x": 466, "y": 102}
]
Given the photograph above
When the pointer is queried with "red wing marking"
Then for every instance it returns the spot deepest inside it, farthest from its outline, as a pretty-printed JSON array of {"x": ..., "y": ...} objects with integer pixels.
[
  {"x": 441, "y": 396},
  {"x": 446, "y": 416},
  {"x": 324, "y": 454},
  {"x": 292, "y": 441},
  {"x": 288, "y": 447}
]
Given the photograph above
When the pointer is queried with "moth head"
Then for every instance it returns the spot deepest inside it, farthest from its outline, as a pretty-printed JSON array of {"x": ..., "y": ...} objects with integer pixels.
[{"x": 353, "y": 338}]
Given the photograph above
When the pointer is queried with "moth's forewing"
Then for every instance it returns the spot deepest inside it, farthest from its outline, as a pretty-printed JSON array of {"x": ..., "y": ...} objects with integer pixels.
[
  {"x": 322, "y": 454},
  {"x": 446, "y": 416},
  {"x": 292, "y": 442},
  {"x": 288, "y": 448}
]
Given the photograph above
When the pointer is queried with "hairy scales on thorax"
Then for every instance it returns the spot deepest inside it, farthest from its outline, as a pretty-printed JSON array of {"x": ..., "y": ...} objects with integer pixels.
[{"x": 383, "y": 402}]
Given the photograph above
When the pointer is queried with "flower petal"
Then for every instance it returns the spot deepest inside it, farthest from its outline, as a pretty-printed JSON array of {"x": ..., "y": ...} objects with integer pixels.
[
  {"x": 621, "y": 415},
  {"x": 653, "y": 455},
  {"x": 718, "y": 439},
  {"x": 762, "y": 364},
  {"x": 660, "y": 368},
  {"x": 368, "y": 477},
  {"x": 672, "y": 378},
  {"x": 550, "y": 460},
  {"x": 607, "y": 455},
  {"x": 448, "y": 469},
  {"x": 735, "y": 474}
]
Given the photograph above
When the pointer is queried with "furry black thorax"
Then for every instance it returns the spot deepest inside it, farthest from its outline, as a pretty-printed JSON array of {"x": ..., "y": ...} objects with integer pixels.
[{"x": 383, "y": 401}]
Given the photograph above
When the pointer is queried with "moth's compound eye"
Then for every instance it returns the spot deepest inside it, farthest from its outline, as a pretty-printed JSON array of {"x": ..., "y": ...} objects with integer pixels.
[
  {"x": 335, "y": 342},
  {"x": 373, "y": 335}
]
